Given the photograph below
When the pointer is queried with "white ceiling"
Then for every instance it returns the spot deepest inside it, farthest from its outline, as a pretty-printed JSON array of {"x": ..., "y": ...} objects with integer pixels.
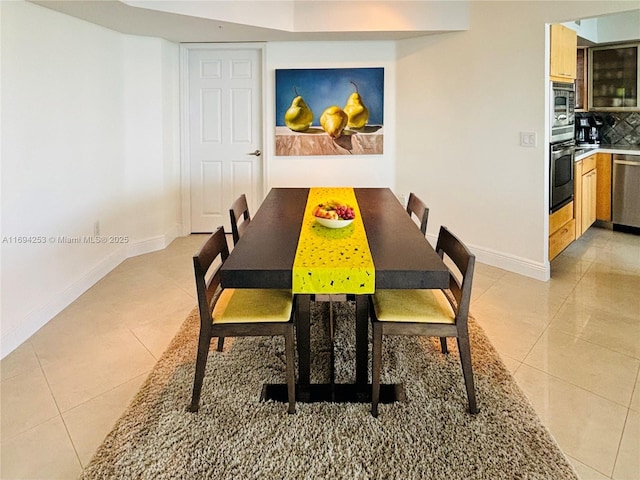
[{"x": 262, "y": 20}]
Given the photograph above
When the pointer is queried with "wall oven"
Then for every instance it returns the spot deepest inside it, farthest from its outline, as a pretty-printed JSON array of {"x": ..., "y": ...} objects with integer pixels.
[
  {"x": 561, "y": 158},
  {"x": 562, "y": 111}
]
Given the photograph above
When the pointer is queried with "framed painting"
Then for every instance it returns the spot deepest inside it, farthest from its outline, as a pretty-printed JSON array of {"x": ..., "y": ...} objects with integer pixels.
[{"x": 329, "y": 111}]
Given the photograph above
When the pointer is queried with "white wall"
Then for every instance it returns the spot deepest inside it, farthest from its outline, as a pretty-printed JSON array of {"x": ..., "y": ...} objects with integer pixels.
[
  {"x": 89, "y": 133},
  {"x": 463, "y": 98},
  {"x": 359, "y": 170},
  {"x": 152, "y": 144}
]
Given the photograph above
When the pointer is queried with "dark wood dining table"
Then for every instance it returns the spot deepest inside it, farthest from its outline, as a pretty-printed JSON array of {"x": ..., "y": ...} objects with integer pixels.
[{"x": 264, "y": 258}]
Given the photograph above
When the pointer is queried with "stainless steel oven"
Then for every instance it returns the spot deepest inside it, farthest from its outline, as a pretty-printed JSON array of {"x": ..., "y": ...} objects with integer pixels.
[
  {"x": 563, "y": 99},
  {"x": 561, "y": 158}
]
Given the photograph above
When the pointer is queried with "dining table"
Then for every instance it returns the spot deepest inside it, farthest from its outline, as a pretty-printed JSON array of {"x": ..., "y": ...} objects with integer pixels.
[{"x": 268, "y": 256}]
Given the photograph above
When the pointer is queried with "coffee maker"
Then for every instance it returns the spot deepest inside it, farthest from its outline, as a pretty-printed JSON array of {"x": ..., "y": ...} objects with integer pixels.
[{"x": 588, "y": 126}]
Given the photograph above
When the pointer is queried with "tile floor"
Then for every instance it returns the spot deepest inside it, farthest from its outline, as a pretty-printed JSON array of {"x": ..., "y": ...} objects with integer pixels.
[{"x": 573, "y": 345}]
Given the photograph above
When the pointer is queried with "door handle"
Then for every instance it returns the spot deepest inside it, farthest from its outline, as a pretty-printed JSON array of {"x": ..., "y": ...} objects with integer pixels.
[
  {"x": 257, "y": 153},
  {"x": 627, "y": 162}
]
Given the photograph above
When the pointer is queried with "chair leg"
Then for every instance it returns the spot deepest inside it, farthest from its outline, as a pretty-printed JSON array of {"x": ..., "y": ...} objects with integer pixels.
[
  {"x": 220, "y": 343},
  {"x": 201, "y": 363},
  {"x": 465, "y": 358},
  {"x": 376, "y": 367},
  {"x": 291, "y": 376},
  {"x": 443, "y": 344}
]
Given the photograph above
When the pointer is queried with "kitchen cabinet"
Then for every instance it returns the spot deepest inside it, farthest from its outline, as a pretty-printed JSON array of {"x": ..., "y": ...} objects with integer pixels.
[
  {"x": 614, "y": 77},
  {"x": 589, "y": 180},
  {"x": 585, "y": 197},
  {"x": 603, "y": 187},
  {"x": 564, "y": 43},
  {"x": 582, "y": 57},
  {"x": 577, "y": 197},
  {"x": 562, "y": 230},
  {"x": 585, "y": 194}
]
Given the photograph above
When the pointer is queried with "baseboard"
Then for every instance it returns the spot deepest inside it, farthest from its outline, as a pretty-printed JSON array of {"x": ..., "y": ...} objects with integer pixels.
[
  {"x": 39, "y": 317},
  {"x": 153, "y": 244},
  {"x": 511, "y": 263}
]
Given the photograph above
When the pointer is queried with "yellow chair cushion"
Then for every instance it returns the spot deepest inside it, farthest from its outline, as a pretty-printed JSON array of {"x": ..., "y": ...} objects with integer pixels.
[
  {"x": 421, "y": 306},
  {"x": 249, "y": 305}
]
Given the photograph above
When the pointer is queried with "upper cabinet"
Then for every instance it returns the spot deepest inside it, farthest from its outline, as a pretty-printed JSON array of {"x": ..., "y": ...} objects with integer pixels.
[
  {"x": 613, "y": 77},
  {"x": 564, "y": 42},
  {"x": 581, "y": 79}
]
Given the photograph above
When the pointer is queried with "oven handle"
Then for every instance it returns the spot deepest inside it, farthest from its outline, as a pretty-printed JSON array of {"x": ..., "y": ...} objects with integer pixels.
[{"x": 570, "y": 145}]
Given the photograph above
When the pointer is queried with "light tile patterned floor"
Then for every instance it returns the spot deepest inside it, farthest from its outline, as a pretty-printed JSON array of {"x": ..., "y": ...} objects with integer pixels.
[{"x": 573, "y": 345}]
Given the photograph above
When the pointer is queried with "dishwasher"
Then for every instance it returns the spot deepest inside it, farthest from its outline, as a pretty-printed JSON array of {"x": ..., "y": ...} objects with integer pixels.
[{"x": 626, "y": 190}]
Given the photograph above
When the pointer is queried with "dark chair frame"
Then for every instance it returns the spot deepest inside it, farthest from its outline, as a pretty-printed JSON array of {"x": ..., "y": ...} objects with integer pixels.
[
  {"x": 449, "y": 245},
  {"x": 239, "y": 210},
  {"x": 208, "y": 294},
  {"x": 418, "y": 208}
]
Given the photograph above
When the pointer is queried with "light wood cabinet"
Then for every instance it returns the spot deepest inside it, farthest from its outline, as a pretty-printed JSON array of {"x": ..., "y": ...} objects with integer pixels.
[
  {"x": 577, "y": 196},
  {"x": 563, "y": 64},
  {"x": 588, "y": 199},
  {"x": 562, "y": 230},
  {"x": 591, "y": 202},
  {"x": 603, "y": 187},
  {"x": 585, "y": 194}
]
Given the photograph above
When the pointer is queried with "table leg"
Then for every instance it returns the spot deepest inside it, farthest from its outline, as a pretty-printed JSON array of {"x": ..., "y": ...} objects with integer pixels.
[
  {"x": 303, "y": 342},
  {"x": 332, "y": 392},
  {"x": 362, "y": 339}
]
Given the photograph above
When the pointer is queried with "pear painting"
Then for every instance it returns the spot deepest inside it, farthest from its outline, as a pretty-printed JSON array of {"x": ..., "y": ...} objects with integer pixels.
[
  {"x": 329, "y": 111},
  {"x": 333, "y": 121},
  {"x": 356, "y": 110},
  {"x": 298, "y": 116}
]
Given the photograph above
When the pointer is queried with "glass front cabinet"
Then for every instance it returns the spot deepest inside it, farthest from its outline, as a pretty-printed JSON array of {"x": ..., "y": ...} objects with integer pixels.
[{"x": 613, "y": 77}]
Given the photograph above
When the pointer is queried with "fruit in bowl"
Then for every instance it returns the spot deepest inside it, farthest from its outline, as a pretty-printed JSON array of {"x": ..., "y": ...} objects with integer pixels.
[{"x": 333, "y": 214}]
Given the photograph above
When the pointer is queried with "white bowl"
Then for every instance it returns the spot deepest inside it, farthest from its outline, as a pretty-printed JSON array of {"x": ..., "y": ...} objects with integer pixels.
[{"x": 329, "y": 223}]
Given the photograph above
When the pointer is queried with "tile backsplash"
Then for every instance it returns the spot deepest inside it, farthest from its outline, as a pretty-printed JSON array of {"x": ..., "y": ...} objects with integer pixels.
[{"x": 621, "y": 128}]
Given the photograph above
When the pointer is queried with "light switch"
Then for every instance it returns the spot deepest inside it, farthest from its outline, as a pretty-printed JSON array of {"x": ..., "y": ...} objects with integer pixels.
[{"x": 528, "y": 139}]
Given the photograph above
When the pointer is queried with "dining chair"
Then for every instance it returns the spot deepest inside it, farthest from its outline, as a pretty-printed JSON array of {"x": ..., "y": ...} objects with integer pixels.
[
  {"x": 240, "y": 220},
  {"x": 417, "y": 207},
  {"x": 428, "y": 313},
  {"x": 240, "y": 217},
  {"x": 237, "y": 313}
]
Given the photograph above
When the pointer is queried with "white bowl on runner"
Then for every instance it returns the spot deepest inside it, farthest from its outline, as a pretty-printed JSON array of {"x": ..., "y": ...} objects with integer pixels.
[{"x": 329, "y": 223}]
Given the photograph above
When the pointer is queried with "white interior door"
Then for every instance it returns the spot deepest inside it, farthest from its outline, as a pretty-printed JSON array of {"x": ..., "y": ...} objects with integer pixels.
[{"x": 224, "y": 132}]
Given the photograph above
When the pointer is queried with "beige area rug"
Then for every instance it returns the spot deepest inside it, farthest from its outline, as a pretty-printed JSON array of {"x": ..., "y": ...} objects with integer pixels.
[{"x": 235, "y": 436}]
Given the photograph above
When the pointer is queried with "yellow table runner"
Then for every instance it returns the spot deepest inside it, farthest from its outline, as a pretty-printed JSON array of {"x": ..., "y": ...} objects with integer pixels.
[{"x": 333, "y": 260}]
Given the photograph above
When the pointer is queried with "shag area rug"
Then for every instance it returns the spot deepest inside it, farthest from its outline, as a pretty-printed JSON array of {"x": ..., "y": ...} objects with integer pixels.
[{"x": 236, "y": 436}]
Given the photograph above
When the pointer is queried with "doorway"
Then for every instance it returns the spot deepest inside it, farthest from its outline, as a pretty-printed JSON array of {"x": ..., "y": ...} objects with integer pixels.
[{"x": 221, "y": 88}]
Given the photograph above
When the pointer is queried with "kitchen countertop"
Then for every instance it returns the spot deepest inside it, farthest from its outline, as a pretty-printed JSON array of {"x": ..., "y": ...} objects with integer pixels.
[{"x": 584, "y": 152}]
